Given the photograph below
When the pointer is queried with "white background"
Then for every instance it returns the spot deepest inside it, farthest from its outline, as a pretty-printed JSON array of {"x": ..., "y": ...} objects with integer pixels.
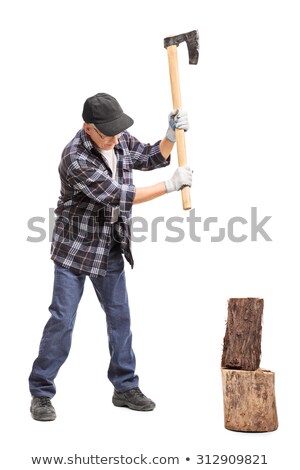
[{"x": 243, "y": 102}]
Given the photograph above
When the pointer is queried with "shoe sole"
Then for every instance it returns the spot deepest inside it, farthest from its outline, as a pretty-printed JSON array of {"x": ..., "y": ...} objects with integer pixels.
[
  {"x": 43, "y": 418},
  {"x": 125, "y": 404}
]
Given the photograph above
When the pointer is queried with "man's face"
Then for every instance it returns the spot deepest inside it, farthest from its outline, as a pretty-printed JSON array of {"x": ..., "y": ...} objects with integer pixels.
[{"x": 101, "y": 140}]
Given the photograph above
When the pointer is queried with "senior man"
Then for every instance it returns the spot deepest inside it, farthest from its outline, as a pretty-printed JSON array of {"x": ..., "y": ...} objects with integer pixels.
[{"x": 90, "y": 238}]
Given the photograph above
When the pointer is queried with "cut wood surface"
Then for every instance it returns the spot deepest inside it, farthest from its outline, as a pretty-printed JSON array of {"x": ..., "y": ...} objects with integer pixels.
[
  {"x": 242, "y": 341},
  {"x": 249, "y": 400}
]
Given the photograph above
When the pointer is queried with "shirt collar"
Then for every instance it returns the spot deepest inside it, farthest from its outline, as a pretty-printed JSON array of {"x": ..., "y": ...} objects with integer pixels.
[{"x": 87, "y": 143}]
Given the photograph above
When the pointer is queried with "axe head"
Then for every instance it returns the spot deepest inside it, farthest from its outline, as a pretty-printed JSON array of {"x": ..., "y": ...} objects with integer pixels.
[{"x": 192, "y": 42}]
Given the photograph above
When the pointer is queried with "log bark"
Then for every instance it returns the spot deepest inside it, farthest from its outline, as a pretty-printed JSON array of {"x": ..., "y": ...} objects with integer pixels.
[
  {"x": 249, "y": 400},
  {"x": 242, "y": 341}
]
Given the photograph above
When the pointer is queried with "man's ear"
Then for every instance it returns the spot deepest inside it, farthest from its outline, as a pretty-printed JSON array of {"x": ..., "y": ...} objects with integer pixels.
[{"x": 87, "y": 127}]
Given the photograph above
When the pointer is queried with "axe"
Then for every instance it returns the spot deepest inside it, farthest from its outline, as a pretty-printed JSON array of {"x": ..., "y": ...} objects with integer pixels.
[{"x": 171, "y": 43}]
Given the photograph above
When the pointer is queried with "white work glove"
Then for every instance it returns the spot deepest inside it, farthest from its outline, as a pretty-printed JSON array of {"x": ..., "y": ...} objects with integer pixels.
[
  {"x": 182, "y": 177},
  {"x": 178, "y": 119}
]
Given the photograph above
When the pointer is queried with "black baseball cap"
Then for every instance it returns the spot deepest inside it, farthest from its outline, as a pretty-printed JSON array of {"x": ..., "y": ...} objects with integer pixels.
[{"x": 104, "y": 111}]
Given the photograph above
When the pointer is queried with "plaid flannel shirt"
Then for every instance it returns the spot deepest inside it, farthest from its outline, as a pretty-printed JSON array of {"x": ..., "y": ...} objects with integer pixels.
[{"x": 83, "y": 227}]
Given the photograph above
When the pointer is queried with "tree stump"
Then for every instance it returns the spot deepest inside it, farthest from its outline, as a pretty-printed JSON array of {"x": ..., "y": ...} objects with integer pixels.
[
  {"x": 242, "y": 341},
  {"x": 248, "y": 392},
  {"x": 249, "y": 400}
]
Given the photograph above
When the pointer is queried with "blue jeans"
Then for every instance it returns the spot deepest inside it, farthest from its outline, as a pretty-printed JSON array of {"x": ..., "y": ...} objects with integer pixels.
[{"x": 56, "y": 340}]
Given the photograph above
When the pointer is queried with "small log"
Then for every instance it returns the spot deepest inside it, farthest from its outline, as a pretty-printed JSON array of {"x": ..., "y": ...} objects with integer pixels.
[
  {"x": 242, "y": 341},
  {"x": 249, "y": 400}
]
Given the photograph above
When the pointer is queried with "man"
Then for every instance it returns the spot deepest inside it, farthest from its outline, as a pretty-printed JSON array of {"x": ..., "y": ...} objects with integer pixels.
[{"x": 91, "y": 235}]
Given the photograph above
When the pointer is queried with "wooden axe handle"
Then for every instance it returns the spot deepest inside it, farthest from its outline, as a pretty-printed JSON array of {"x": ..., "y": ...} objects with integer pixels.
[{"x": 180, "y": 139}]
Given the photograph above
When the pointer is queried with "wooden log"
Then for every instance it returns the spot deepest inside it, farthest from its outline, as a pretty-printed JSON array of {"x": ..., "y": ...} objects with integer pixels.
[
  {"x": 242, "y": 341},
  {"x": 249, "y": 400}
]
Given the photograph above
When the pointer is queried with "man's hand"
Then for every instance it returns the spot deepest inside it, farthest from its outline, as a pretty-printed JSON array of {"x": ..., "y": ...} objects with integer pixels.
[
  {"x": 182, "y": 177},
  {"x": 178, "y": 119}
]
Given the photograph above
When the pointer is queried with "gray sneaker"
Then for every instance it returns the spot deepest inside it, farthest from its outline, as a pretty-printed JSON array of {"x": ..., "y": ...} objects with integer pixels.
[
  {"x": 133, "y": 399},
  {"x": 41, "y": 409}
]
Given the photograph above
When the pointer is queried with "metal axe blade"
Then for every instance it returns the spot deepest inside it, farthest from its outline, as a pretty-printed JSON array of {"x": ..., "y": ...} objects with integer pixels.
[{"x": 192, "y": 42}]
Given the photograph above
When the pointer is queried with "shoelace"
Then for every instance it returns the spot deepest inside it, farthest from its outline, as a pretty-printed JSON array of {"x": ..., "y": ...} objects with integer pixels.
[
  {"x": 137, "y": 392},
  {"x": 45, "y": 401}
]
